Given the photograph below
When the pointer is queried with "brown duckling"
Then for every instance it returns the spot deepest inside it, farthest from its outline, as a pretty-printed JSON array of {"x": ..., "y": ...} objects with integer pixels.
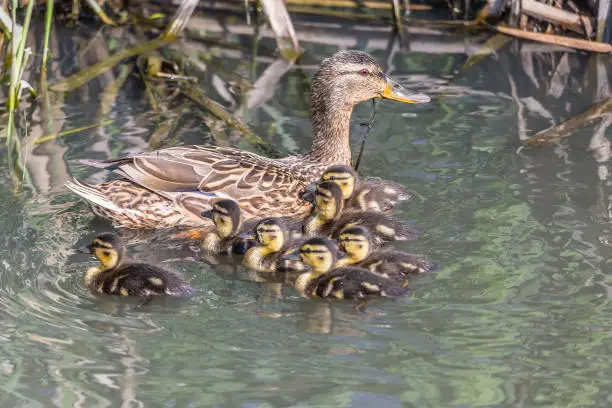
[
  {"x": 275, "y": 239},
  {"x": 356, "y": 242},
  {"x": 118, "y": 275},
  {"x": 368, "y": 194},
  {"x": 329, "y": 219},
  {"x": 225, "y": 238},
  {"x": 326, "y": 282}
]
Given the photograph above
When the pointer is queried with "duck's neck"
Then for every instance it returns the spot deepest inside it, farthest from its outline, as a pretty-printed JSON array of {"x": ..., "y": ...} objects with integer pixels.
[{"x": 331, "y": 134}]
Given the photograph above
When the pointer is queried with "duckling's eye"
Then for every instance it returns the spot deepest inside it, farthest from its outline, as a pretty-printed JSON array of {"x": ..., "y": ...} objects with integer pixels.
[
  {"x": 106, "y": 253},
  {"x": 332, "y": 178},
  {"x": 306, "y": 251},
  {"x": 364, "y": 72}
]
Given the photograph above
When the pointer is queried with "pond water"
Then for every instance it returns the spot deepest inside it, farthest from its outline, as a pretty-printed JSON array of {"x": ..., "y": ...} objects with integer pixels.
[{"x": 518, "y": 316}]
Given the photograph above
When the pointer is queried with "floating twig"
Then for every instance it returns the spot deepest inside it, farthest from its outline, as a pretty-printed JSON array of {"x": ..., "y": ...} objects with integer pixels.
[{"x": 71, "y": 131}]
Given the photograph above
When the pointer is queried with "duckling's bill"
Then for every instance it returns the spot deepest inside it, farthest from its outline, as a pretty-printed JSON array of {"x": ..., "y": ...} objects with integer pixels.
[{"x": 397, "y": 92}]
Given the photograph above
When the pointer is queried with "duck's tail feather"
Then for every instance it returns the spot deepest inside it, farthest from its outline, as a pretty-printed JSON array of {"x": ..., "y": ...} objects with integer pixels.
[
  {"x": 91, "y": 194},
  {"x": 106, "y": 164}
]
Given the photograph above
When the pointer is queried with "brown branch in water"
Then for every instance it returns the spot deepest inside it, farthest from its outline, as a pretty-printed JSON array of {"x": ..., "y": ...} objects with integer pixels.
[
  {"x": 573, "y": 124},
  {"x": 82, "y": 77},
  {"x": 196, "y": 95},
  {"x": 556, "y": 39},
  {"x": 542, "y": 11}
]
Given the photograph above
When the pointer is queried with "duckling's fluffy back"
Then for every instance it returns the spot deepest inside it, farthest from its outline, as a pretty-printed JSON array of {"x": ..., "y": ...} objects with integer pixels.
[
  {"x": 353, "y": 283},
  {"x": 140, "y": 279}
]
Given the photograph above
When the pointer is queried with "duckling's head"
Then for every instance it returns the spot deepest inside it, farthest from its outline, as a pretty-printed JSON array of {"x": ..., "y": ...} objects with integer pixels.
[
  {"x": 350, "y": 77},
  {"x": 356, "y": 242},
  {"x": 108, "y": 249},
  {"x": 319, "y": 254},
  {"x": 345, "y": 176},
  {"x": 328, "y": 200},
  {"x": 271, "y": 233},
  {"x": 225, "y": 213}
]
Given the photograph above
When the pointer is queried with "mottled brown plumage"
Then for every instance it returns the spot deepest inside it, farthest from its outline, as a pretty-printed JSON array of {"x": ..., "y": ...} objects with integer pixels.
[{"x": 171, "y": 187}]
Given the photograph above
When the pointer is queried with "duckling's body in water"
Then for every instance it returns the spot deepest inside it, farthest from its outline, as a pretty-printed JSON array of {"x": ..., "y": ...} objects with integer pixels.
[
  {"x": 118, "y": 275},
  {"x": 275, "y": 239},
  {"x": 368, "y": 194},
  {"x": 326, "y": 282},
  {"x": 225, "y": 238},
  {"x": 356, "y": 242},
  {"x": 329, "y": 219}
]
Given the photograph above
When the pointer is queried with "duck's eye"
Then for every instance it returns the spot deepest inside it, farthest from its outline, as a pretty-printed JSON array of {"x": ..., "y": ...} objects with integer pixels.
[
  {"x": 106, "y": 253},
  {"x": 364, "y": 72},
  {"x": 332, "y": 178}
]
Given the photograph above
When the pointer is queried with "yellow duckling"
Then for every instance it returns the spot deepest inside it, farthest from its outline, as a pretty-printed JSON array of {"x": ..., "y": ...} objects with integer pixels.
[
  {"x": 275, "y": 239},
  {"x": 326, "y": 282},
  {"x": 356, "y": 242},
  {"x": 118, "y": 275},
  {"x": 329, "y": 219},
  {"x": 225, "y": 238},
  {"x": 369, "y": 194}
]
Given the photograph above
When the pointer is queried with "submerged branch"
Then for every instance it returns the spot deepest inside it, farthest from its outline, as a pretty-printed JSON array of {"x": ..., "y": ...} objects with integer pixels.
[
  {"x": 87, "y": 74},
  {"x": 196, "y": 95},
  {"x": 572, "y": 125}
]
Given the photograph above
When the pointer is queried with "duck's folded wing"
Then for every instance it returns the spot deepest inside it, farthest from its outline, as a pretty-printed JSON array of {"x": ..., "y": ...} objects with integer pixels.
[{"x": 208, "y": 169}]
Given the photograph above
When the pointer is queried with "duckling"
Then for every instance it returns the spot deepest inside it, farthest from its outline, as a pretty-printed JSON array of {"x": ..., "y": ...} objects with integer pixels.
[
  {"x": 369, "y": 194},
  {"x": 326, "y": 282},
  {"x": 275, "y": 240},
  {"x": 225, "y": 238},
  {"x": 329, "y": 219},
  {"x": 118, "y": 275},
  {"x": 357, "y": 243}
]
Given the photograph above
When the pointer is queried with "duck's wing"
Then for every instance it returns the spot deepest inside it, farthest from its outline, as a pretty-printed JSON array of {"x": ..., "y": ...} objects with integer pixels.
[
  {"x": 181, "y": 174},
  {"x": 204, "y": 168}
]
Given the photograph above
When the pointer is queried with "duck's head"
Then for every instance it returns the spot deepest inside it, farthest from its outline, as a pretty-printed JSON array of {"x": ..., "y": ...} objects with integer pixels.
[
  {"x": 328, "y": 200},
  {"x": 356, "y": 242},
  {"x": 107, "y": 248},
  {"x": 319, "y": 254},
  {"x": 351, "y": 77},
  {"x": 271, "y": 233},
  {"x": 344, "y": 176},
  {"x": 225, "y": 213}
]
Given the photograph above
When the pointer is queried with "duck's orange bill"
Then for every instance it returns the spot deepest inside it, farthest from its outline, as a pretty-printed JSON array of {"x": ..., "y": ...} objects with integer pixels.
[{"x": 397, "y": 92}]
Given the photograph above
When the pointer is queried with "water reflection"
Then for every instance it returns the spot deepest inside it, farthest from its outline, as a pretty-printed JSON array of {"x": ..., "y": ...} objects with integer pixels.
[{"x": 520, "y": 310}]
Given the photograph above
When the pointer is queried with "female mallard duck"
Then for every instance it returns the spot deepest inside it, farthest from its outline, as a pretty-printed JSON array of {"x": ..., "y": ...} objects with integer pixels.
[
  {"x": 356, "y": 242},
  {"x": 274, "y": 238},
  {"x": 326, "y": 282},
  {"x": 225, "y": 238},
  {"x": 171, "y": 187},
  {"x": 329, "y": 219},
  {"x": 117, "y": 275}
]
